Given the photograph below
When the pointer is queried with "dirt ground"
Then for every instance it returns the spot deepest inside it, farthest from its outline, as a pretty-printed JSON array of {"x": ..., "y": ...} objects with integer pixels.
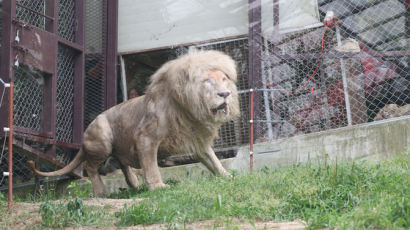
[{"x": 26, "y": 216}]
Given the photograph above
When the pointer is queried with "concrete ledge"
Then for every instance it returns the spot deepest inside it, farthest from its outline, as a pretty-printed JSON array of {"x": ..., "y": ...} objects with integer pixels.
[{"x": 377, "y": 140}]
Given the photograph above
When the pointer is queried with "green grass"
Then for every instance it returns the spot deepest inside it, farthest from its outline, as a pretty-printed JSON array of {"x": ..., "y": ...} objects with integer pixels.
[
  {"x": 355, "y": 195},
  {"x": 72, "y": 213}
]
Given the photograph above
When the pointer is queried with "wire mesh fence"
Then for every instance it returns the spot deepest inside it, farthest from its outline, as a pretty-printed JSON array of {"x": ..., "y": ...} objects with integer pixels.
[
  {"x": 348, "y": 72},
  {"x": 235, "y": 133},
  {"x": 28, "y": 99},
  {"x": 66, "y": 19},
  {"x": 65, "y": 94},
  {"x": 94, "y": 60},
  {"x": 31, "y": 12}
]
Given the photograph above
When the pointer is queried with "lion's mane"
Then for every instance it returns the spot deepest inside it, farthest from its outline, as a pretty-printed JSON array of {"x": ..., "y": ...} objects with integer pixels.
[{"x": 175, "y": 86}]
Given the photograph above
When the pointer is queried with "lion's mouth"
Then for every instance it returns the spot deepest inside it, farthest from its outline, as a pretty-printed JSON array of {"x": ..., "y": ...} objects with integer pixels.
[{"x": 223, "y": 108}]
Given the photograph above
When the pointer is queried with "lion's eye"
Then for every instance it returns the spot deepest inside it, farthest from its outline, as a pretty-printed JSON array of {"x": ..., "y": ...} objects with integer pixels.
[
  {"x": 208, "y": 80},
  {"x": 224, "y": 79}
]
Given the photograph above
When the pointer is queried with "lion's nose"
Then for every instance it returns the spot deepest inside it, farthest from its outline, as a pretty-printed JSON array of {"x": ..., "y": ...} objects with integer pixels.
[{"x": 224, "y": 94}]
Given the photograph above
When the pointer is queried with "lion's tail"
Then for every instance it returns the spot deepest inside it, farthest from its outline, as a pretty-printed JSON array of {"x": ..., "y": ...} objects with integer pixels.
[{"x": 68, "y": 168}]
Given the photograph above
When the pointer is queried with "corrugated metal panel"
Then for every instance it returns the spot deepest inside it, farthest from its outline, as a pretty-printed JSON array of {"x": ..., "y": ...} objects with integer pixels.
[
  {"x": 294, "y": 15},
  {"x": 157, "y": 23}
]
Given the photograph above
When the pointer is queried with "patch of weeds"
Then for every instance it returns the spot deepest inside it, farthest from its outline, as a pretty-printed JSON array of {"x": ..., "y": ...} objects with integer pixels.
[
  {"x": 72, "y": 213},
  {"x": 126, "y": 193},
  {"x": 324, "y": 194},
  {"x": 4, "y": 213},
  {"x": 80, "y": 189},
  {"x": 2, "y": 198},
  {"x": 46, "y": 192},
  {"x": 172, "y": 182}
]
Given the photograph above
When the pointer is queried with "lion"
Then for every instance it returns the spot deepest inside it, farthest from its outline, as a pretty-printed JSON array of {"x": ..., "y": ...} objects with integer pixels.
[{"x": 186, "y": 102}]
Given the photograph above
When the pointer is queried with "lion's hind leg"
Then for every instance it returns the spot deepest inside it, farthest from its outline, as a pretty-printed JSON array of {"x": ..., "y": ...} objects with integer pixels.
[
  {"x": 97, "y": 144},
  {"x": 92, "y": 170}
]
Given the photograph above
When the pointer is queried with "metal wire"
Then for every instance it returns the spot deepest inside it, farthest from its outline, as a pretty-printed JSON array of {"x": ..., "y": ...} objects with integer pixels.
[
  {"x": 4, "y": 145},
  {"x": 2, "y": 96},
  {"x": 2, "y": 156}
]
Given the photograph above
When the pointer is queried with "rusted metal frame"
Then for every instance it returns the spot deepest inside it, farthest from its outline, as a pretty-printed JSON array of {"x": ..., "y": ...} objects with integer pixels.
[
  {"x": 255, "y": 41},
  {"x": 68, "y": 145},
  {"x": 53, "y": 90},
  {"x": 9, "y": 12},
  {"x": 104, "y": 55},
  {"x": 32, "y": 132},
  {"x": 7, "y": 57},
  {"x": 47, "y": 141},
  {"x": 30, "y": 149},
  {"x": 78, "y": 124},
  {"x": 72, "y": 45},
  {"x": 50, "y": 6},
  {"x": 48, "y": 101},
  {"x": 36, "y": 12},
  {"x": 111, "y": 53},
  {"x": 44, "y": 140}
]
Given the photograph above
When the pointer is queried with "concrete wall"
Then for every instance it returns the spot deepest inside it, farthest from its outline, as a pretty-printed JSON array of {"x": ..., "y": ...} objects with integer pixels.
[{"x": 376, "y": 140}]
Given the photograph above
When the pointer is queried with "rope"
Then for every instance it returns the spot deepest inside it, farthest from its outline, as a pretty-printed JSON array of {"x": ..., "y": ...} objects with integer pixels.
[{"x": 334, "y": 25}]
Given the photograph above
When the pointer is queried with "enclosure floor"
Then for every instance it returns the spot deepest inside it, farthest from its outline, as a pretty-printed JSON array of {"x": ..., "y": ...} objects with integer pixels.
[{"x": 26, "y": 216}]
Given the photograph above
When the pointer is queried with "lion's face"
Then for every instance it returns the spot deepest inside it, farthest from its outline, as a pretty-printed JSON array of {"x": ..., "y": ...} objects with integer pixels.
[
  {"x": 219, "y": 94},
  {"x": 202, "y": 84}
]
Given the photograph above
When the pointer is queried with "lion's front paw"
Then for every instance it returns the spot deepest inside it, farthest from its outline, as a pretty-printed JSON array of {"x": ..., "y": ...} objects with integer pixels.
[
  {"x": 157, "y": 186},
  {"x": 226, "y": 174}
]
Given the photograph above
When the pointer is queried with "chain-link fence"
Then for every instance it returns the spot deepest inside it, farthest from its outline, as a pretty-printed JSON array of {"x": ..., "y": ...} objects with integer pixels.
[
  {"x": 32, "y": 12},
  {"x": 235, "y": 133},
  {"x": 351, "y": 71},
  {"x": 94, "y": 60}
]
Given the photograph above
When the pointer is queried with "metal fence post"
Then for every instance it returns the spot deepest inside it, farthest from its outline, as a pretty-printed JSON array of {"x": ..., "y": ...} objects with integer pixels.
[
  {"x": 255, "y": 42},
  {"x": 10, "y": 145}
]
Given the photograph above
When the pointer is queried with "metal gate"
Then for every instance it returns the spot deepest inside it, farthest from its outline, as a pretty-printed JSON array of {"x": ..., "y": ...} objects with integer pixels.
[{"x": 46, "y": 51}]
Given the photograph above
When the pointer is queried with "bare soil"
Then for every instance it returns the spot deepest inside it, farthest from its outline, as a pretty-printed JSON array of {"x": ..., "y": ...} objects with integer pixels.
[{"x": 26, "y": 216}]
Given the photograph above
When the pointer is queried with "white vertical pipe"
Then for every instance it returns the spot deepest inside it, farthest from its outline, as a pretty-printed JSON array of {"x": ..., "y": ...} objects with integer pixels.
[
  {"x": 123, "y": 79},
  {"x": 266, "y": 96},
  {"x": 346, "y": 93}
]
